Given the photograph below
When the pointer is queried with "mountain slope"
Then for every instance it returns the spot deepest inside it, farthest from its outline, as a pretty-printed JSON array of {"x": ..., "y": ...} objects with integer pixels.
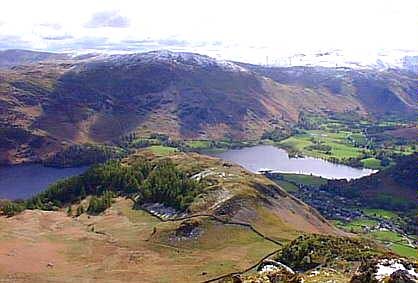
[
  {"x": 98, "y": 98},
  {"x": 237, "y": 219},
  {"x": 15, "y": 57},
  {"x": 394, "y": 188},
  {"x": 376, "y": 92}
]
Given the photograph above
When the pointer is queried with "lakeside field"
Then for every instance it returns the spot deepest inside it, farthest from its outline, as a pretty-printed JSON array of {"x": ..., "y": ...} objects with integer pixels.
[
  {"x": 338, "y": 143},
  {"x": 337, "y": 147},
  {"x": 162, "y": 150},
  {"x": 343, "y": 138},
  {"x": 342, "y": 147},
  {"x": 348, "y": 138},
  {"x": 291, "y": 182}
]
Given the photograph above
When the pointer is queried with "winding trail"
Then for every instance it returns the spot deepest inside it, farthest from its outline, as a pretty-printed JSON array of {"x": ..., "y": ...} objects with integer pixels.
[{"x": 225, "y": 222}]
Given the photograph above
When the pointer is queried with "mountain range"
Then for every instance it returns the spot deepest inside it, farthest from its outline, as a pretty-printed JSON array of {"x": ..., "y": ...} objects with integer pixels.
[
  {"x": 160, "y": 214},
  {"x": 51, "y": 100}
]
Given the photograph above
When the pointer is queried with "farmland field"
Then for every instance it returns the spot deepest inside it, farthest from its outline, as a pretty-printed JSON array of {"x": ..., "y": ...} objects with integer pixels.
[{"x": 338, "y": 143}]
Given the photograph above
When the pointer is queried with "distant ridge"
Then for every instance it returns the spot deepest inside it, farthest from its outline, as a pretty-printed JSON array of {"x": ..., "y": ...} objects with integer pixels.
[{"x": 15, "y": 57}]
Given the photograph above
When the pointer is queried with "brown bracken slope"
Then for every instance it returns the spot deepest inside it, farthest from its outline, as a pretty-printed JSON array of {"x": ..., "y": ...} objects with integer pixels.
[{"x": 238, "y": 219}]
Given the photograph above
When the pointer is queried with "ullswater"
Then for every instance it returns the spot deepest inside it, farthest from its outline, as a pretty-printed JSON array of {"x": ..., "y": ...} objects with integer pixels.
[
  {"x": 268, "y": 157},
  {"x": 24, "y": 181}
]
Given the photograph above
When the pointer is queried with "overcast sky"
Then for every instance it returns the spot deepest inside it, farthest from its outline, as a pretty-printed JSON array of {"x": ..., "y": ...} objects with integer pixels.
[{"x": 209, "y": 26}]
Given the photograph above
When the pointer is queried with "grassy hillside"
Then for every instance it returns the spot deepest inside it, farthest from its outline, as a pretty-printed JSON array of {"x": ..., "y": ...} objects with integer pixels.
[
  {"x": 234, "y": 220},
  {"x": 231, "y": 221},
  {"x": 122, "y": 245}
]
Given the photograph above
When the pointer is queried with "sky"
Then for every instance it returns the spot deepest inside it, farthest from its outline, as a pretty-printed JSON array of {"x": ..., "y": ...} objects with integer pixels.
[{"x": 222, "y": 28}]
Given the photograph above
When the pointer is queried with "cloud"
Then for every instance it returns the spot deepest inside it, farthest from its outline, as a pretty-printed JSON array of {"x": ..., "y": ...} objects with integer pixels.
[
  {"x": 13, "y": 42},
  {"x": 54, "y": 26},
  {"x": 58, "y": 37},
  {"x": 98, "y": 43},
  {"x": 108, "y": 19},
  {"x": 158, "y": 42},
  {"x": 212, "y": 27},
  {"x": 173, "y": 42}
]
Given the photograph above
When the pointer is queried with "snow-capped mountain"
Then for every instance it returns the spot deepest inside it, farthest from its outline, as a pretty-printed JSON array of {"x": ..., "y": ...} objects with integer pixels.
[
  {"x": 378, "y": 60},
  {"x": 398, "y": 59},
  {"x": 186, "y": 59}
]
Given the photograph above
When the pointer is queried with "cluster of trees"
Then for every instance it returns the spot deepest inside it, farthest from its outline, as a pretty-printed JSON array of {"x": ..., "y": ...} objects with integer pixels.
[
  {"x": 348, "y": 120},
  {"x": 350, "y": 117},
  {"x": 319, "y": 146},
  {"x": 100, "y": 204},
  {"x": 9, "y": 208},
  {"x": 405, "y": 172},
  {"x": 385, "y": 159},
  {"x": 169, "y": 185},
  {"x": 277, "y": 134},
  {"x": 307, "y": 122},
  {"x": 131, "y": 141},
  {"x": 79, "y": 155},
  {"x": 144, "y": 181},
  {"x": 351, "y": 161}
]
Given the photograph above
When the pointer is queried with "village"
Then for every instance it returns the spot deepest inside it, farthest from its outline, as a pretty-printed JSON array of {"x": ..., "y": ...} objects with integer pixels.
[{"x": 349, "y": 214}]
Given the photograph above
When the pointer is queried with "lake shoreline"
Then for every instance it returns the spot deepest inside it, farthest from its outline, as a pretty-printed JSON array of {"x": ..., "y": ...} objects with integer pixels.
[
  {"x": 288, "y": 164},
  {"x": 291, "y": 152}
]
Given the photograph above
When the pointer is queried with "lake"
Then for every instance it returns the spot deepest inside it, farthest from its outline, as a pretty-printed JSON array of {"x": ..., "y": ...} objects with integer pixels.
[
  {"x": 268, "y": 157},
  {"x": 24, "y": 181}
]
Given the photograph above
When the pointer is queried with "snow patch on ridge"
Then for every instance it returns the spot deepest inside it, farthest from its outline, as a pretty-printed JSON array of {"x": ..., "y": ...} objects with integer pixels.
[{"x": 186, "y": 59}]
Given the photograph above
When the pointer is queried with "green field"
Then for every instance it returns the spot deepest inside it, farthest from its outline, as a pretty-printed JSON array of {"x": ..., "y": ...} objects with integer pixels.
[
  {"x": 357, "y": 226},
  {"x": 162, "y": 150},
  {"x": 395, "y": 241},
  {"x": 300, "y": 179},
  {"x": 404, "y": 250},
  {"x": 388, "y": 236},
  {"x": 288, "y": 187},
  {"x": 342, "y": 138},
  {"x": 290, "y": 182},
  {"x": 381, "y": 213},
  {"x": 372, "y": 163},
  {"x": 339, "y": 143},
  {"x": 198, "y": 144}
]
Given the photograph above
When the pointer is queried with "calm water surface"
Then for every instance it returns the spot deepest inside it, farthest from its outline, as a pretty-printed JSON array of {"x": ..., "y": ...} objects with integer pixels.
[
  {"x": 23, "y": 181},
  {"x": 262, "y": 157}
]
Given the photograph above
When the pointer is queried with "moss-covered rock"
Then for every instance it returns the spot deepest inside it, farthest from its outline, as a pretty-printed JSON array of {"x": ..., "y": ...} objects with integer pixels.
[{"x": 309, "y": 251}]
